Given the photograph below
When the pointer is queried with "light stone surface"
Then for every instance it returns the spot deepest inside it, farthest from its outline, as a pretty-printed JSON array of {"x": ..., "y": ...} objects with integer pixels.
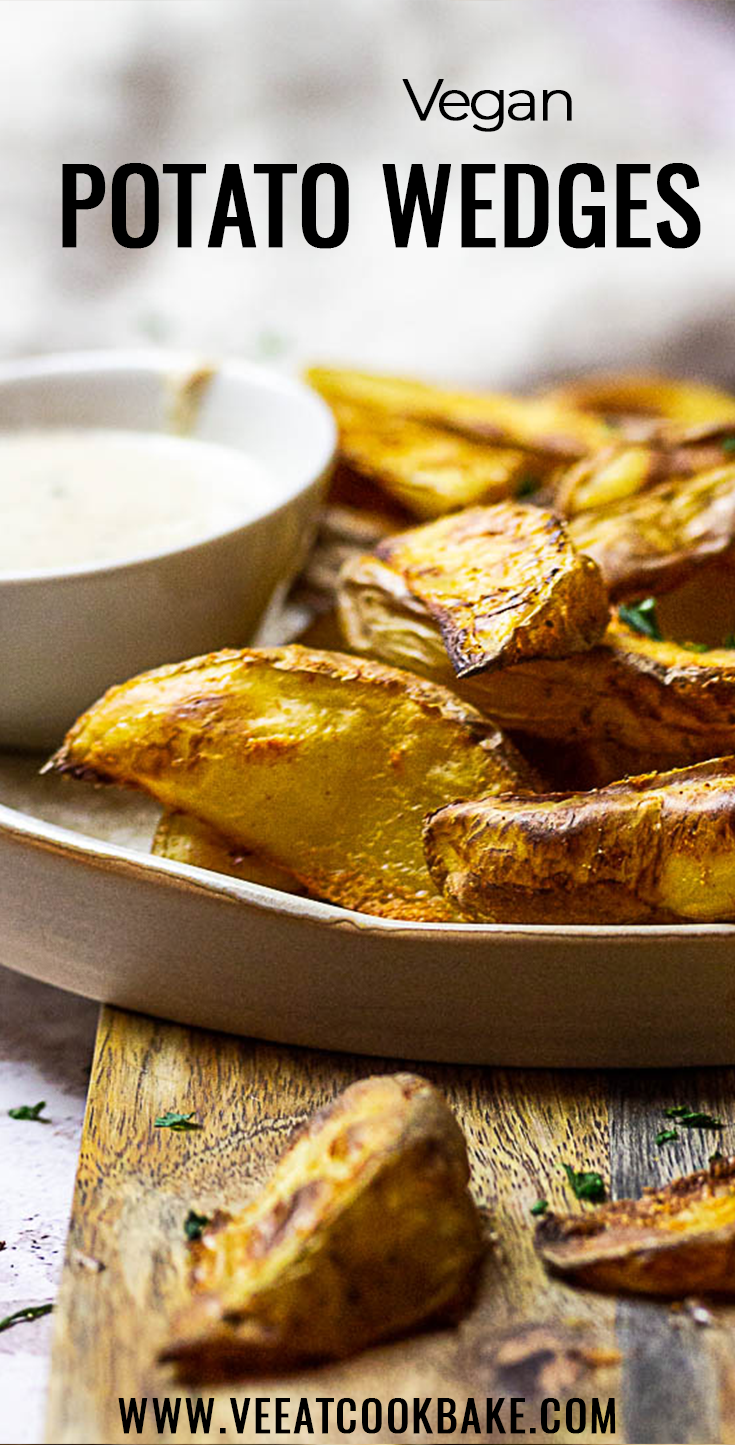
[{"x": 250, "y": 81}]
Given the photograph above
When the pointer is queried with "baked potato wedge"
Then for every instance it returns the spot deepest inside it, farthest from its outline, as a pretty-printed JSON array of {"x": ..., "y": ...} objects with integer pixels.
[
  {"x": 187, "y": 840},
  {"x": 654, "y": 541},
  {"x": 322, "y": 764},
  {"x": 630, "y": 399},
  {"x": 617, "y": 473},
  {"x": 366, "y": 1230},
  {"x": 672, "y": 1242},
  {"x": 654, "y": 849},
  {"x": 503, "y": 583},
  {"x": 531, "y": 424},
  {"x": 655, "y": 699}
]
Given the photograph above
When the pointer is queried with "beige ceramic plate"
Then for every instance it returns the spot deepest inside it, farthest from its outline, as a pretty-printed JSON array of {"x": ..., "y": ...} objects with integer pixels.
[{"x": 83, "y": 906}]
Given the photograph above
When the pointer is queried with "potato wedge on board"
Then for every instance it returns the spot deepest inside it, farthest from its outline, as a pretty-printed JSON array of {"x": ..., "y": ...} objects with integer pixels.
[
  {"x": 631, "y": 398},
  {"x": 657, "y": 848},
  {"x": 503, "y": 583},
  {"x": 320, "y": 763},
  {"x": 658, "y": 700},
  {"x": 617, "y": 474},
  {"x": 675, "y": 1241},
  {"x": 532, "y": 424},
  {"x": 366, "y": 1230},
  {"x": 654, "y": 541},
  {"x": 187, "y": 840}
]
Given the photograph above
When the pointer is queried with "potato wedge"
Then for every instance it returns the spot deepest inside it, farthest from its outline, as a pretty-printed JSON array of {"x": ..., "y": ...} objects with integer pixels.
[
  {"x": 631, "y": 398},
  {"x": 654, "y": 541},
  {"x": 657, "y": 848},
  {"x": 503, "y": 584},
  {"x": 532, "y": 424},
  {"x": 675, "y": 1241},
  {"x": 187, "y": 840},
  {"x": 657, "y": 700},
  {"x": 320, "y": 763},
  {"x": 366, "y": 1230}
]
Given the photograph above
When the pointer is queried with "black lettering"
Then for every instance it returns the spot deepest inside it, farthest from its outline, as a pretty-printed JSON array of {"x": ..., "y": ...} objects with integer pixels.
[
  {"x": 402, "y": 212},
  {"x": 494, "y": 1421},
  {"x": 400, "y": 1407},
  {"x": 239, "y": 1416},
  {"x": 325, "y": 1401},
  {"x": 166, "y": 1418},
  {"x": 303, "y": 1419},
  {"x": 581, "y": 1415},
  {"x": 119, "y": 205},
  {"x": 528, "y": 105},
  {"x": 470, "y": 1419},
  {"x": 446, "y": 104},
  {"x": 183, "y": 173},
  {"x": 132, "y": 1411},
  {"x": 282, "y": 1414},
  {"x": 540, "y": 183},
  {"x": 422, "y": 114},
  {"x": 547, "y": 97},
  {"x": 446, "y": 1415},
  {"x": 595, "y": 236},
  {"x": 261, "y": 1414},
  {"x": 497, "y": 115},
  {"x": 602, "y": 1424},
  {"x": 275, "y": 171},
  {"x": 71, "y": 203},
  {"x": 196, "y": 1412},
  {"x": 419, "y": 1415},
  {"x": 471, "y": 205},
  {"x": 345, "y": 1429},
  {"x": 231, "y": 189},
  {"x": 516, "y": 1414},
  {"x": 341, "y": 206},
  {"x": 545, "y": 1426},
  {"x": 679, "y": 205},
  {"x": 378, "y": 1413},
  {"x": 626, "y": 204}
]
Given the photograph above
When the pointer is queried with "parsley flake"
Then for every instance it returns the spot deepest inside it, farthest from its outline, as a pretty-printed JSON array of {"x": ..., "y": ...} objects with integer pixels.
[
  {"x": 527, "y": 485},
  {"x": 695, "y": 646},
  {"x": 717, "y": 1157},
  {"x": 729, "y": 641},
  {"x": 728, "y": 444},
  {"x": 540, "y": 1207},
  {"x": 180, "y": 1122},
  {"x": 585, "y": 1184},
  {"x": 194, "y": 1224},
  {"x": 32, "y": 1312},
  {"x": 641, "y": 616},
  {"x": 666, "y": 1136},
  {"x": 693, "y": 1118},
  {"x": 29, "y": 1111}
]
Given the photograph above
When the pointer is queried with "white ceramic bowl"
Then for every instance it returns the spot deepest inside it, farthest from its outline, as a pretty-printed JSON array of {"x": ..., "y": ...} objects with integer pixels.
[{"x": 66, "y": 637}]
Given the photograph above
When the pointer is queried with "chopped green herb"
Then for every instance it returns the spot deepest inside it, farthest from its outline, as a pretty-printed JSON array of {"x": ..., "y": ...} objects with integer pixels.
[
  {"x": 717, "y": 1157},
  {"x": 172, "y": 1120},
  {"x": 729, "y": 641},
  {"x": 692, "y": 1118},
  {"x": 194, "y": 1224},
  {"x": 32, "y": 1312},
  {"x": 728, "y": 444},
  {"x": 527, "y": 485},
  {"x": 540, "y": 1207},
  {"x": 585, "y": 1184},
  {"x": 695, "y": 646},
  {"x": 666, "y": 1136},
  {"x": 29, "y": 1111},
  {"x": 641, "y": 616}
]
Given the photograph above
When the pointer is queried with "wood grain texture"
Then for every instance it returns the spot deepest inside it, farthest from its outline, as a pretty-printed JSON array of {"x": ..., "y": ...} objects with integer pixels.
[{"x": 527, "y": 1335}]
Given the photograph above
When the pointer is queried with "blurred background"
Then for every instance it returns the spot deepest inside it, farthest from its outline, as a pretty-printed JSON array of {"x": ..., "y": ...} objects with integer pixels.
[{"x": 253, "y": 80}]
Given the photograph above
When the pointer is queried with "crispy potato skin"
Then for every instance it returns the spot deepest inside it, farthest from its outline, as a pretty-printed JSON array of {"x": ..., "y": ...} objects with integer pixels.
[
  {"x": 322, "y": 764},
  {"x": 366, "y": 1230},
  {"x": 629, "y": 695},
  {"x": 657, "y": 848},
  {"x": 503, "y": 584},
  {"x": 653, "y": 542},
  {"x": 671, "y": 1242},
  {"x": 636, "y": 398},
  {"x": 187, "y": 840}
]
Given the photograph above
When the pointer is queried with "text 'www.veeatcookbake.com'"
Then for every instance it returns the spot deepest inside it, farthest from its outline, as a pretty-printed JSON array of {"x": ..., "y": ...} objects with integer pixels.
[{"x": 328, "y": 1416}]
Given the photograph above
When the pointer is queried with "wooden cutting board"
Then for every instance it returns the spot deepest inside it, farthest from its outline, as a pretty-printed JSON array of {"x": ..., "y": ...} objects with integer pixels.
[{"x": 673, "y": 1377}]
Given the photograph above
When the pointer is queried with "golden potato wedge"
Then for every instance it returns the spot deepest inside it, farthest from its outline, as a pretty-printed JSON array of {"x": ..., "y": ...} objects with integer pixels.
[
  {"x": 503, "y": 584},
  {"x": 675, "y": 1241},
  {"x": 532, "y": 424},
  {"x": 429, "y": 470},
  {"x": 320, "y": 763},
  {"x": 618, "y": 473},
  {"x": 630, "y": 398},
  {"x": 187, "y": 840},
  {"x": 654, "y": 541},
  {"x": 656, "y": 848},
  {"x": 366, "y": 1230},
  {"x": 657, "y": 700}
]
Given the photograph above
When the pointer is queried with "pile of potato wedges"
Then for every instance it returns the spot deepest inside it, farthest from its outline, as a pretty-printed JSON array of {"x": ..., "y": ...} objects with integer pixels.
[{"x": 517, "y": 703}]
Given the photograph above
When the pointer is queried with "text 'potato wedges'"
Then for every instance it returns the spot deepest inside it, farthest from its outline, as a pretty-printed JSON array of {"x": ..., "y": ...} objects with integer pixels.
[
  {"x": 647, "y": 849},
  {"x": 675, "y": 1241},
  {"x": 320, "y": 763},
  {"x": 366, "y": 1230}
]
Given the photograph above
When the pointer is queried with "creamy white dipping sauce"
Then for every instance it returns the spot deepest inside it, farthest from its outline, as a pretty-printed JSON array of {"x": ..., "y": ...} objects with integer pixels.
[{"x": 70, "y": 498}]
